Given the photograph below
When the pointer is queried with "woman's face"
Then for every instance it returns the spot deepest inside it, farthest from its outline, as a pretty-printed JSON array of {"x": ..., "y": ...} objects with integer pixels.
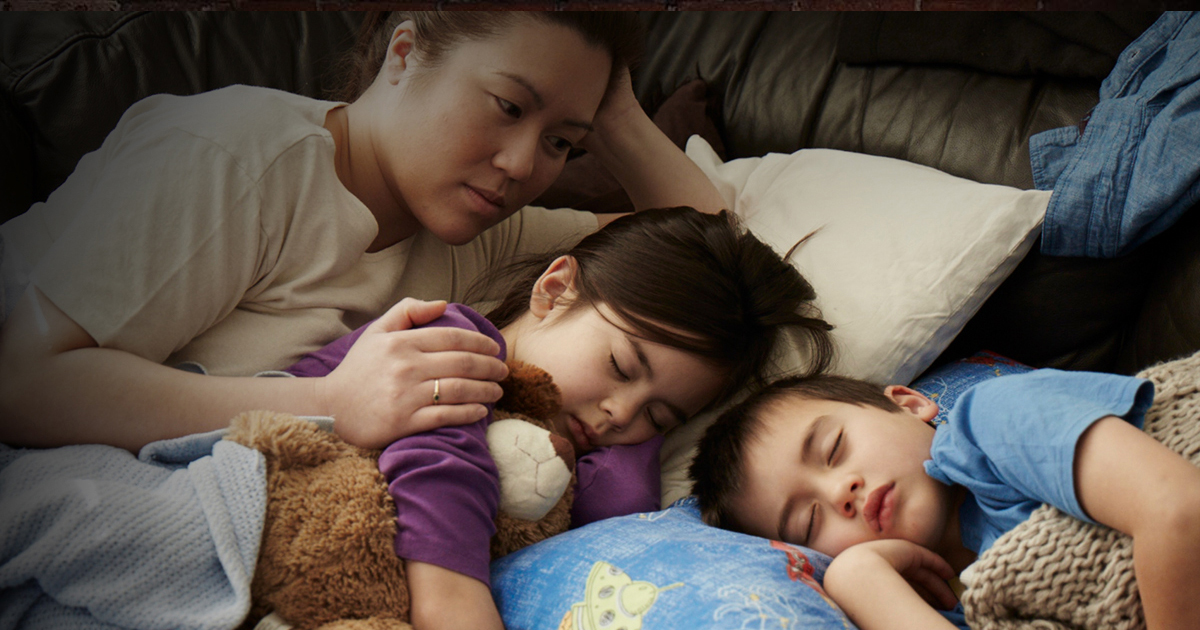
[{"x": 467, "y": 143}]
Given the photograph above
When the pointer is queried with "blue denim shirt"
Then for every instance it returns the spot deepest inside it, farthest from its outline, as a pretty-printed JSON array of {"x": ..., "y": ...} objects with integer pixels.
[{"x": 1135, "y": 169}]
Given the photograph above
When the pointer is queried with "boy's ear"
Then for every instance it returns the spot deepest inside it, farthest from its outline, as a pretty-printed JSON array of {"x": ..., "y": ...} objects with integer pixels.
[
  {"x": 399, "y": 51},
  {"x": 555, "y": 287},
  {"x": 912, "y": 401}
]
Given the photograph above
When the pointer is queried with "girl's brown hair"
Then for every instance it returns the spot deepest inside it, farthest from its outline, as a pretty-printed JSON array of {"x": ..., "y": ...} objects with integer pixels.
[
  {"x": 620, "y": 33},
  {"x": 681, "y": 278}
]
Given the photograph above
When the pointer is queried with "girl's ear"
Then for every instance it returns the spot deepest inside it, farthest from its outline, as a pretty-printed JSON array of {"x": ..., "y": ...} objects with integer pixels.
[
  {"x": 399, "y": 51},
  {"x": 555, "y": 287},
  {"x": 912, "y": 401}
]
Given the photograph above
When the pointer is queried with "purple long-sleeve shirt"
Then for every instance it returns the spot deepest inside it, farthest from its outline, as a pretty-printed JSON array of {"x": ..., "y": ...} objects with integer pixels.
[{"x": 447, "y": 476}]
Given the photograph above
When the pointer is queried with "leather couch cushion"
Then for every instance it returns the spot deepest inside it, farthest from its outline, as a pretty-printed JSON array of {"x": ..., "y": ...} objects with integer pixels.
[{"x": 1082, "y": 45}]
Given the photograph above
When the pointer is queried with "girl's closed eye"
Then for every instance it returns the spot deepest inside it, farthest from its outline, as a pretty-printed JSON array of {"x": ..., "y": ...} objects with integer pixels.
[
  {"x": 658, "y": 426},
  {"x": 620, "y": 374}
]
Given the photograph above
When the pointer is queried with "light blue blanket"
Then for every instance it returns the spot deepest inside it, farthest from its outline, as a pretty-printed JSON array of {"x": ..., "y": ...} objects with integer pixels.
[{"x": 92, "y": 537}]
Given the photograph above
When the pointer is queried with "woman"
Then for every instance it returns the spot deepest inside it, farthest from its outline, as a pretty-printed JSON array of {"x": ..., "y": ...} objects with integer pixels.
[{"x": 243, "y": 227}]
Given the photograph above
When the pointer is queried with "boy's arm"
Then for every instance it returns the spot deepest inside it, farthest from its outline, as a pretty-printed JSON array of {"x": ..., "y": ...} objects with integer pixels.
[
  {"x": 1127, "y": 480},
  {"x": 876, "y": 584},
  {"x": 442, "y": 598}
]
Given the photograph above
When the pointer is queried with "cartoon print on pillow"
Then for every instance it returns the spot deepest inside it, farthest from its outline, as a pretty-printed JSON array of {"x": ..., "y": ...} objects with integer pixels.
[
  {"x": 612, "y": 600},
  {"x": 761, "y": 604}
]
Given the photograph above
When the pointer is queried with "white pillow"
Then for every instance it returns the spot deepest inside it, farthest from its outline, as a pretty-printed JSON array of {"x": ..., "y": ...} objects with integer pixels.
[{"x": 902, "y": 257}]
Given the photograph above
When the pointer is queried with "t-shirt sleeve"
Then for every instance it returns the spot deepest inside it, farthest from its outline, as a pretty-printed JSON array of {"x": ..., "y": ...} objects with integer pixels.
[
  {"x": 1012, "y": 439},
  {"x": 154, "y": 254},
  {"x": 445, "y": 484},
  {"x": 446, "y": 489},
  {"x": 616, "y": 481}
]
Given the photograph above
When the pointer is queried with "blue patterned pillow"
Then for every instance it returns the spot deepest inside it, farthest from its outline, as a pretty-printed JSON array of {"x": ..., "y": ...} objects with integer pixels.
[
  {"x": 945, "y": 384},
  {"x": 663, "y": 570}
]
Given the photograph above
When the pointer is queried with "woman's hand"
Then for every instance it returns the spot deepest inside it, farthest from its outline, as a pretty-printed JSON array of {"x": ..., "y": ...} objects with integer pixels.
[
  {"x": 384, "y": 389},
  {"x": 652, "y": 170},
  {"x": 616, "y": 108}
]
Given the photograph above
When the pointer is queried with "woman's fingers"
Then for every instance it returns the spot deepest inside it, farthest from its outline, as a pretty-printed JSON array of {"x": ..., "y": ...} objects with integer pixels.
[
  {"x": 432, "y": 417},
  {"x": 408, "y": 313},
  {"x": 457, "y": 391},
  {"x": 453, "y": 364},
  {"x": 443, "y": 340}
]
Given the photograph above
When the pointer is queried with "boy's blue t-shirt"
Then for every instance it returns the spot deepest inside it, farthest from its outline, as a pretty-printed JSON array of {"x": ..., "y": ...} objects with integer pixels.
[{"x": 1010, "y": 441}]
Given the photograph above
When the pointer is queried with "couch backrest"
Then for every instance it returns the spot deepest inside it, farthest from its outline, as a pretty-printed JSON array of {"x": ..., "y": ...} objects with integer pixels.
[
  {"x": 961, "y": 92},
  {"x": 957, "y": 91}
]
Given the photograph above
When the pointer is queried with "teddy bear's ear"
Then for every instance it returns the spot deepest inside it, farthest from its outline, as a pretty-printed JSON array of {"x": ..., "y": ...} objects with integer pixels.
[{"x": 529, "y": 390}]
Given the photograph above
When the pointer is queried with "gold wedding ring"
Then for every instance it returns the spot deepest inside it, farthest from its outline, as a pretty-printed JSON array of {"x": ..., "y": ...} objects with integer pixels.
[{"x": 437, "y": 391}]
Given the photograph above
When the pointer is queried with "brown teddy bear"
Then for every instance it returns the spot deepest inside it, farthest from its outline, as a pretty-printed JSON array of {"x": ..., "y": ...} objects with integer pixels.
[{"x": 326, "y": 558}]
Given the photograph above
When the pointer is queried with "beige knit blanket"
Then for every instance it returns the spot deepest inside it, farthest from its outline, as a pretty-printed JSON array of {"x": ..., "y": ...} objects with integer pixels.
[{"x": 1054, "y": 571}]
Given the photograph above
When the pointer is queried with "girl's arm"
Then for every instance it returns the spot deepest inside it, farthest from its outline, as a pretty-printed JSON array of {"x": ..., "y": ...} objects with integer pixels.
[
  {"x": 443, "y": 599},
  {"x": 57, "y": 387},
  {"x": 616, "y": 481},
  {"x": 876, "y": 584},
  {"x": 1127, "y": 480},
  {"x": 652, "y": 170}
]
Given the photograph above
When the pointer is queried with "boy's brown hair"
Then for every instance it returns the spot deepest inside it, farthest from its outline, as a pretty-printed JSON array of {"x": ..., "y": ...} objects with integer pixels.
[{"x": 719, "y": 464}]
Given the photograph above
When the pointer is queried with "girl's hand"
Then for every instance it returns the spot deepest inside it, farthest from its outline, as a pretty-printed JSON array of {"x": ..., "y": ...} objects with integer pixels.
[
  {"x": 384, "y": 389},
  {"x": 925, "y": 571}
]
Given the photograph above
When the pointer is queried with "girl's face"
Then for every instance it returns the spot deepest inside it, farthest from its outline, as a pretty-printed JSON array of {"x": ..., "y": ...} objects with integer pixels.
[
  {"x": 467, "y": 143},
  {"x": 616, "y": 388}
]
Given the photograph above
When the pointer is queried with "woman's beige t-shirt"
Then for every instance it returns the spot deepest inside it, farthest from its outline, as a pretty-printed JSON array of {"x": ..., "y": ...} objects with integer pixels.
[{"x": 213, "y": 228}]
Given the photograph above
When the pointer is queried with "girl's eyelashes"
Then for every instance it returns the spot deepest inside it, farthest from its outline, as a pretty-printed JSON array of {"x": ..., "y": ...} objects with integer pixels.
[
  {"x": 621, "y": 375},
  {"x": 655, "y": 423}
]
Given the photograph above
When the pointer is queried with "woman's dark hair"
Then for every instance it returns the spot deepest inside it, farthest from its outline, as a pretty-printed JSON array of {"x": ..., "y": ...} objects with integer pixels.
[
  {"x": 620, "y": 33},
  {"x": 718, "y": 467},
  {"x": 681, "y": 278}
]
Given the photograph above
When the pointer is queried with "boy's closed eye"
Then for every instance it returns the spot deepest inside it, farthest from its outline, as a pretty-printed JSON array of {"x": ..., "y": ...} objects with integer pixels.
[{"x": 834, "y": 446}]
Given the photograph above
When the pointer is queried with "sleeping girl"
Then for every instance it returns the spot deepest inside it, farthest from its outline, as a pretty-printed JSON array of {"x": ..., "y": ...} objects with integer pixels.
[{"x": 643, "y": 324}]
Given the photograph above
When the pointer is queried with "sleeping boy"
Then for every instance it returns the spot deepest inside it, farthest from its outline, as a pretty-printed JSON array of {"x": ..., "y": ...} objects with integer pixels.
[{"x": 857, "y": 472}]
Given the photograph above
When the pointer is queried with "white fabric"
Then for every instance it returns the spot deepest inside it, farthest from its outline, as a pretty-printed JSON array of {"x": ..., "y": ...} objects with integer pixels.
[
  {"x": 902, "y": 257},
  {"x": 213, "y": 228}
]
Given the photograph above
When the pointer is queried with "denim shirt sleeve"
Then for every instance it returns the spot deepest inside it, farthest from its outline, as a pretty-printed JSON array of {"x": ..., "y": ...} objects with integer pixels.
[{"x": 1135, "y": 167}]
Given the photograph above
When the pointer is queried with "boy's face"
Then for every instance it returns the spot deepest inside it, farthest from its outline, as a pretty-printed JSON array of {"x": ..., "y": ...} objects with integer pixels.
[{"x": 828, "y": 475}]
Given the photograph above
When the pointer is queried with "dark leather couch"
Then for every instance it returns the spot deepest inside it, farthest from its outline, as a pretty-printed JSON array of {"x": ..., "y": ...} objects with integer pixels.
[{"x": 961, "y": 92}]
